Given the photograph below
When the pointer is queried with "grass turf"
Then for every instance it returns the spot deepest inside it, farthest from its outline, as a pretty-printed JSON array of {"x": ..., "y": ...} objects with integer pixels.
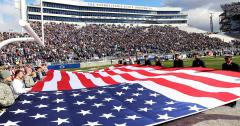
[{"x": 210, "y": 62}]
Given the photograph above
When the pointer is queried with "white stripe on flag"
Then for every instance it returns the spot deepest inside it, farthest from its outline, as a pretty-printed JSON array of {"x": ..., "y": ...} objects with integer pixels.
[
  {"x": 96, "y": 81},
  {"x": 52, "y": 85},
  {"x": 74, "y": 81}
]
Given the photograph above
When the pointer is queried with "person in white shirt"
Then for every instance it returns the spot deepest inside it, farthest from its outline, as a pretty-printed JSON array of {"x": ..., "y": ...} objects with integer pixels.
[{"x": 17, "y": 85}]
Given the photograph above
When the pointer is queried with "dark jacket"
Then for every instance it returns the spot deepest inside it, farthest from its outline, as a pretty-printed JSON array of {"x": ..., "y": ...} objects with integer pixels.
[
  {"x": 198, "y": 63},
  {"x": 178, "y": 63},
  {"x": 158, "y": 63},
  {"x": 230, "y": 67},
  {"x": 147, "y": 62}
]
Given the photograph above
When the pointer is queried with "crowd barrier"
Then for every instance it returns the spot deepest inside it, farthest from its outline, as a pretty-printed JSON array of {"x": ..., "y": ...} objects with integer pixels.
[{"x": 64, "y": 66}]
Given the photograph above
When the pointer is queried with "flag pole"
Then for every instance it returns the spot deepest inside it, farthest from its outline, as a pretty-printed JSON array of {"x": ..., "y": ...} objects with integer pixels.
[{"x": 42, "y": 22}]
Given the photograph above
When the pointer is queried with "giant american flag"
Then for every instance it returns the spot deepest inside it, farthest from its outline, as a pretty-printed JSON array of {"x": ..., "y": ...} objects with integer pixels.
[{"x": 122, "y": 96}]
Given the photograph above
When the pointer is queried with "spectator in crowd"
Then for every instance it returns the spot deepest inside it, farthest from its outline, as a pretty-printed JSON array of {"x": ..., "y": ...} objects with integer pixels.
[
  {"x": 6, "y": 94},
  {"x": 28, "y": 79},
  {"x": 44, "y": 69},
  {"x": 17, "y": 85},
  {"x": 178, "y": 62},
  {"x": 39, "y": 74},
  {"x": 198, "y": 62}
]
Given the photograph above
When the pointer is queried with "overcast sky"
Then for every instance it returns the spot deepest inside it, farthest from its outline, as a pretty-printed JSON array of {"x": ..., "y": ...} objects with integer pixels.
[{"x": 198, "y": 11}]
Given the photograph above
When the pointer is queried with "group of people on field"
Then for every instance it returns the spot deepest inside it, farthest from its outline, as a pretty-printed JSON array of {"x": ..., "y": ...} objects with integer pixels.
[{"x": 15, "y": 81}]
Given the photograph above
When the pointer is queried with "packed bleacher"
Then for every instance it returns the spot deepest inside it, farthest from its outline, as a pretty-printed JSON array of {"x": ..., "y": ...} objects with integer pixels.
[
  {"x": 232, "y": 9},
  {"x": 65, "y": 42}
]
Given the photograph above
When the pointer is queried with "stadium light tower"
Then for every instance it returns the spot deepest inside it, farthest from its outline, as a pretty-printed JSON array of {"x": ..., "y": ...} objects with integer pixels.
[
  {"x": 42, "y": 21},
  {"x": 211, "y": 22}
]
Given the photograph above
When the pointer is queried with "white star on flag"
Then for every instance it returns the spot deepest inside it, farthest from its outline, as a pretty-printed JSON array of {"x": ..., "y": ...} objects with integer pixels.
[
  {"x": 144, "y": 109},
  {"x": 80, "y": 103},
  {"x": 133, "y": 117},
  {"x": 194, "y": 108},
  {"x": 125, "y": 88},
  {"x": 19, "y": 111},
  {"x": 98, "y": 105},
  {"x": 41, "y": 106},
  {"x": 26, "y": 102},
  {"x": 124, "y": 124},
  {"x": 108, "y": 99},
  {"x": 29, "y": 94},
  {"x": 101, "y": 91},
  {"x": 164, "y": 117},
  {"x": 140, "y": 89},
  {"x": 92, "y": 124},
  {"x": 43, "y": 97},
  {"x": 75, "y": 95},
  {"x": 136, "y": 94},
  {"x": 59, "y": 109},
  {"x": 170, "y": 103},
  {"x": 10, "y": 123},
  {"x": 58, "y": 93},
  {"x": 119, "y": 93},
  {"x": 154, "y": 94},
  {"x": 38, "y": 116},
  {"x": 83, "y": 112},
  {"x": 59, "y": 100},
  {"x": 118, "y": 108},
  {"x": 107, "y": 116},
  {"x": 169, "y": 109},
  {"x": 150, "y": 102},
  {"x": 131, "y": 100},
  {"x": 91, "y": 97},
  {"x": 60, "y": 121}
]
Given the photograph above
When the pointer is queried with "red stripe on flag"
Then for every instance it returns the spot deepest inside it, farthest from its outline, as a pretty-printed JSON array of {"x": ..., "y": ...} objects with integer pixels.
[
  {"x": 96, "y": 75},
  {"x": 64, "y": 84},
  {"x": 39, "y": 85},
  {"x": 227, "y": 73},
  {"x": 85, "y": 82}
]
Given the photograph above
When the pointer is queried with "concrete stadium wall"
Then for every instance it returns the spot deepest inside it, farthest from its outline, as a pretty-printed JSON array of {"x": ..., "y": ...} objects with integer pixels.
[{"x": 97, "y": 63}]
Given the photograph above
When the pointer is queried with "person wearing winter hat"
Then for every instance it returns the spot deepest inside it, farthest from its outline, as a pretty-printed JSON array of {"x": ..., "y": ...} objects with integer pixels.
[{"x": 6, "y": 94}]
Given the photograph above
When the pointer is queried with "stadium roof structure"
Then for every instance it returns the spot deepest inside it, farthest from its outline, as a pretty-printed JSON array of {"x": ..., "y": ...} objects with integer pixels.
[
  {"x": 119, "y": 6},
  {"x": 75, "y": 12}
]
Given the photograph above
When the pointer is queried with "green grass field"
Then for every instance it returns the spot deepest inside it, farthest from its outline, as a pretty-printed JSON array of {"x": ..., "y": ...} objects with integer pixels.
[{"x": 210, "y": 62}]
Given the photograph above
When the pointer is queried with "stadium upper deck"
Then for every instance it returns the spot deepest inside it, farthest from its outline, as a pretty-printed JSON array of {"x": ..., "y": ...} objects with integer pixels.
[
  {"x": 87, "y": 12},
  {"x": 230, "y": 18}
]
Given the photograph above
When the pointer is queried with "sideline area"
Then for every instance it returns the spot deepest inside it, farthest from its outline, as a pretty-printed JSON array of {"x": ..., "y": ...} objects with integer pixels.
[{"x": 211, "y": 62}]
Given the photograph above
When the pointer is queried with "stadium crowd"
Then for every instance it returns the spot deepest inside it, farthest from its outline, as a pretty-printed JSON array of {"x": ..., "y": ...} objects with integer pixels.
[
  {"x": 233, "y": 8},
  {"x": 66, "y": 42}
]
